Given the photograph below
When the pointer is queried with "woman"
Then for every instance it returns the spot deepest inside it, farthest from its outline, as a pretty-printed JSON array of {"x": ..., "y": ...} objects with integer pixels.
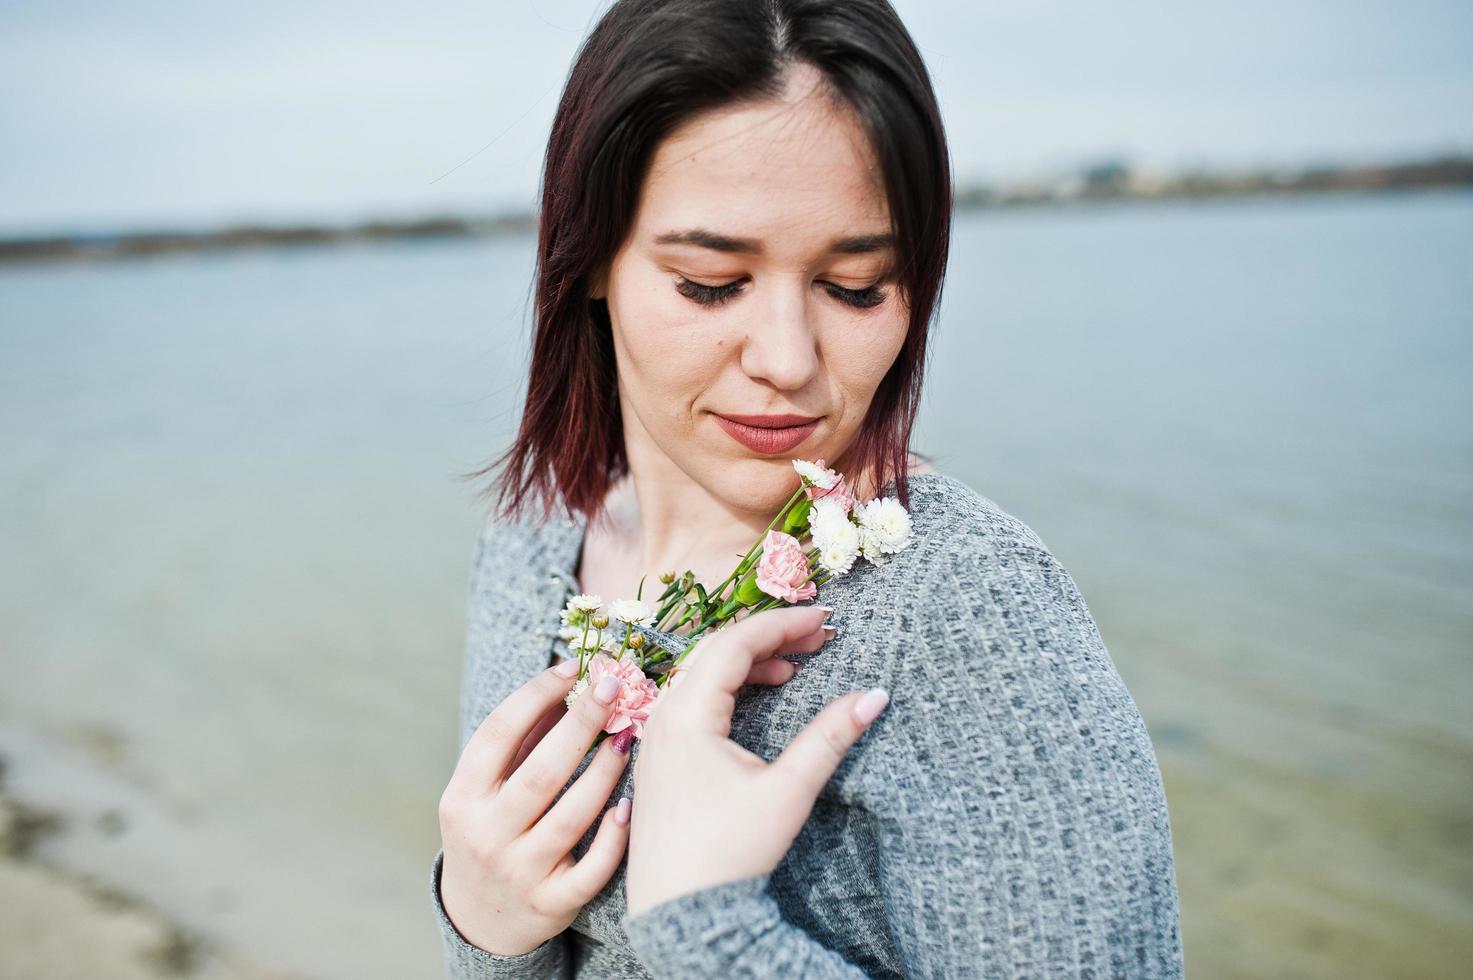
[{"x": 744, "y": 228}]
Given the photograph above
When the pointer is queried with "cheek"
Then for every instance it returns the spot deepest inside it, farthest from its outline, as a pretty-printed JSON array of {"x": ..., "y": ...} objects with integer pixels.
[
  {"x": 859, "y": 358},
  {"x": 653, "y": 316},
  {"x": 667, "y": 352}
]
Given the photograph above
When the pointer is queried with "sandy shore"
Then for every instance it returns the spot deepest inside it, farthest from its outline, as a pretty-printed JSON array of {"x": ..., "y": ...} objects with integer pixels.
[{"x": 62, "y": 924}]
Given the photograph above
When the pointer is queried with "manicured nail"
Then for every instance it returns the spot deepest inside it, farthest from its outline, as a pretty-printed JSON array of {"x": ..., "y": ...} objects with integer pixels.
[
  {"x": 868, "y": 708},
  {"x": 567, "y": 668},
  {"x": 623, "y": 740},
  {"x": 831, "y": 628},
  {"x": 827, "y": 609},
  {"x": 621, "y": 812},
  {"x": 606, "y": 688}
]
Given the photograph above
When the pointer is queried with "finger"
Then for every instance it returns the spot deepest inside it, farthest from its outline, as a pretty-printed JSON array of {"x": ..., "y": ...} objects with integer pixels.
[
  {"x": 722, "y": 662},
  {"x": 816, "y": 751},
  {"x": 580, "y": 881},
  {"x": 531, "y": 787},
  {"x": 562, "y": 826},
  {"x": 809, "y": 643},
  {"x": 772, "y": 672},
  {"x": 493, "y": 745},
  {"x": 544, "y": 724},
  {"x": 760, "y": 672}
]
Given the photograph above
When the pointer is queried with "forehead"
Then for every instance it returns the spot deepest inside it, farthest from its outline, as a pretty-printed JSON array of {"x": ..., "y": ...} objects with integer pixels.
[{"x": 797, "y": 172}]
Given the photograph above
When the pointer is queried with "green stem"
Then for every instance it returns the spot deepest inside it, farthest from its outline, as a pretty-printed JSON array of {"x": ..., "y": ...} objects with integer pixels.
[
  {"x": 715, "y": 598},
  {"x": 752, "y": 552},
  {"x": 662, "y": 620},
  {"x": 663, "y": 678}
]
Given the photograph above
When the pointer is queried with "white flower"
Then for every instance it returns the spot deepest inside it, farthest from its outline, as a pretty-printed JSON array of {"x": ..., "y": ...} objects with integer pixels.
[
  {"x": 589, "y": 639},
  {"x": 816, "y": 474},
  {"x": 834, "y": 535},
  {"x": 884, "y": 527},
  {"x": 576, "y": 692},
  {"x": 568, "y": 633},
  {"x": 826, "y": 512},
  {"x": 838, "y": 546},
  {"x": 585, "y": 603},
  {"x": 632, "y": 612}
]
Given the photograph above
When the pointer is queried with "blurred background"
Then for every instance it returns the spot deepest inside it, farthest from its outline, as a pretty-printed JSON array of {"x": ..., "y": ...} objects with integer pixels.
[{"x": 264, "y": 293}]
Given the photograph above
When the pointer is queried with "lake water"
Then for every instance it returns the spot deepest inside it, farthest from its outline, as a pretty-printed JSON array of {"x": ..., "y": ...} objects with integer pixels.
[{"x": 233, "y": 556}]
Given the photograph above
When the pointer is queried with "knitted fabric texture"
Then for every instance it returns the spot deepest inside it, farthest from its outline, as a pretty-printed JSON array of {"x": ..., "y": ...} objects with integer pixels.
[{"x": 1003, "y": 817}]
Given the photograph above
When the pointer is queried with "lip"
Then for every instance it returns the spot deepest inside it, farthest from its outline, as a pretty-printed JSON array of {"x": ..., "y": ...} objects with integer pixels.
[{"x": 768, "y": 434}]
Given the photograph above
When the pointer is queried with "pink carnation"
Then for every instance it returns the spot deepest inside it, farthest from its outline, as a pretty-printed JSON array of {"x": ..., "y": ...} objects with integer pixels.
[
  {"x": 839, "y": 494},
  {"x": 783, "y": 568},
  {"x": 838, "y": 491},
  {"x": 637, "y": 694}
]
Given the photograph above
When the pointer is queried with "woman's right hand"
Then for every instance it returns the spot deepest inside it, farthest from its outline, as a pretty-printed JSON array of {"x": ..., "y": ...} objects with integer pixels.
[{"x": 509, "y": 881}]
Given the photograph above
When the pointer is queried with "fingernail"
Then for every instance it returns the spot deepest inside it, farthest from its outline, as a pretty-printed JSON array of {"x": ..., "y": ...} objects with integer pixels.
[
  {"x": 868, "y": 708},
  {"x": 621, "y": 812},
  {"x": 604, "y": 690},
  {"x": 623, "y": 740},
  {"x": 567, "y": 668},
  {"x": 831, "y": 628},
  {"x": 827, "y": 609}
]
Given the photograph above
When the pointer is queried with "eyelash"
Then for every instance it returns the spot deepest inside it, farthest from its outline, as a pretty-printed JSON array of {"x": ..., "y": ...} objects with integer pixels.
[{"x": 863, "y": 299}]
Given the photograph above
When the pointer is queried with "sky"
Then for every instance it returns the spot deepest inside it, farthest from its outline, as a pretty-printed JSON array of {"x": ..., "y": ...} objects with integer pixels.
[{"x": 148, "y": 114}]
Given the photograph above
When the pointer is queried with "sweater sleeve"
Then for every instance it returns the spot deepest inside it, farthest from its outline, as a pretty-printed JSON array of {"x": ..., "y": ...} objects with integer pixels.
[
  {"x": 734, "y": 929},
  {"x": 1020, "y": 814},
  {"x": 466, "y": 961}
]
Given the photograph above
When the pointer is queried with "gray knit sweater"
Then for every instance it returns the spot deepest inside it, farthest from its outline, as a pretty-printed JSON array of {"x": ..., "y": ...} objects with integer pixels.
[{"x": 1004, "y": 817}]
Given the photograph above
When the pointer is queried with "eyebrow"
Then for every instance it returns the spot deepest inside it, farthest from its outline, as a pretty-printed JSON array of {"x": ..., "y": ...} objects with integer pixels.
[{"x": 854, "y": 245}]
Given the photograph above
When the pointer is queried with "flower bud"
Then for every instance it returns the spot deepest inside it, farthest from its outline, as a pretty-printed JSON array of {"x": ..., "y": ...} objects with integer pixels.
[
  {"x": 600, "y": 621},
  {"x": 636, "y": 641},
  {"x": 797, "y": 519},
  {"x": 747, "y": 593},
  {"x": 667, "y": 578}
]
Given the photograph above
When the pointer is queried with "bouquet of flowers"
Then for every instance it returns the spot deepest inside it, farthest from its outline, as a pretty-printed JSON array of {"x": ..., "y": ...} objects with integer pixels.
[{"x": 817, "y": 536}]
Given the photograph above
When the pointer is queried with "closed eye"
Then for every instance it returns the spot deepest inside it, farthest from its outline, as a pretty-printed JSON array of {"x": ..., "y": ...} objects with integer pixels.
[
  {"x": 704, "y": 294},
  {"x": 867, "y": 298}
]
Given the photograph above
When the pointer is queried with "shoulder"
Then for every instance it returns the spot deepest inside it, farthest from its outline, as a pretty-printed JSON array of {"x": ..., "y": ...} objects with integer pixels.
[
  {"x": 984, "y": 624},
  {"x": 995, "y": 659},
  {"x": 518, "y": 577},
  {"x": 952, "y": 520},
  {"x": 517, "y": 568},
  {"x": 510, "y": 551},
  {"x": 1012, "y": 761},
  {"x": 975, "y": 584},
  {"x": 964, "y": 548}
]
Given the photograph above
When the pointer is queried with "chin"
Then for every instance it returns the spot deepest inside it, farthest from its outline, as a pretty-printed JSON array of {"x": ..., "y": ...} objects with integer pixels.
[{"x": 760, "y": 483}]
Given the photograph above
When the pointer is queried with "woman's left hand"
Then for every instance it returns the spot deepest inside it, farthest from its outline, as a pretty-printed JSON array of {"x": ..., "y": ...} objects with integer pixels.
[{"x": 707, "y": 811}]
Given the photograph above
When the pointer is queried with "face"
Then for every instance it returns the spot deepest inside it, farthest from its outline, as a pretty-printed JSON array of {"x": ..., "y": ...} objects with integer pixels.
[{"x": 754, "y": 305}]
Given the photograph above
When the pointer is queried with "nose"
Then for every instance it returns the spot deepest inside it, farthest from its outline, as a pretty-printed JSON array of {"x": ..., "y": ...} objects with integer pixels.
[{"x": 782, "y": 347}]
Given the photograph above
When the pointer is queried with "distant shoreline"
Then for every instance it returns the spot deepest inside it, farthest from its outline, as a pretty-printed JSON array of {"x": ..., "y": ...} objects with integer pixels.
[{"x": 1110, "y": 181}]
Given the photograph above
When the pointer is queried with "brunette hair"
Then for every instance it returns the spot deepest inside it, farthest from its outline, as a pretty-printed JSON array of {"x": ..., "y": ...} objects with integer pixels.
[{"x": 646, "y": 68}]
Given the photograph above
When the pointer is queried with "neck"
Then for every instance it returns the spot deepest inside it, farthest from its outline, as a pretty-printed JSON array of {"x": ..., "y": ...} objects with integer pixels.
[
  {"x": 657, "y": 519},
  {"x": 666, "y": 521}
]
